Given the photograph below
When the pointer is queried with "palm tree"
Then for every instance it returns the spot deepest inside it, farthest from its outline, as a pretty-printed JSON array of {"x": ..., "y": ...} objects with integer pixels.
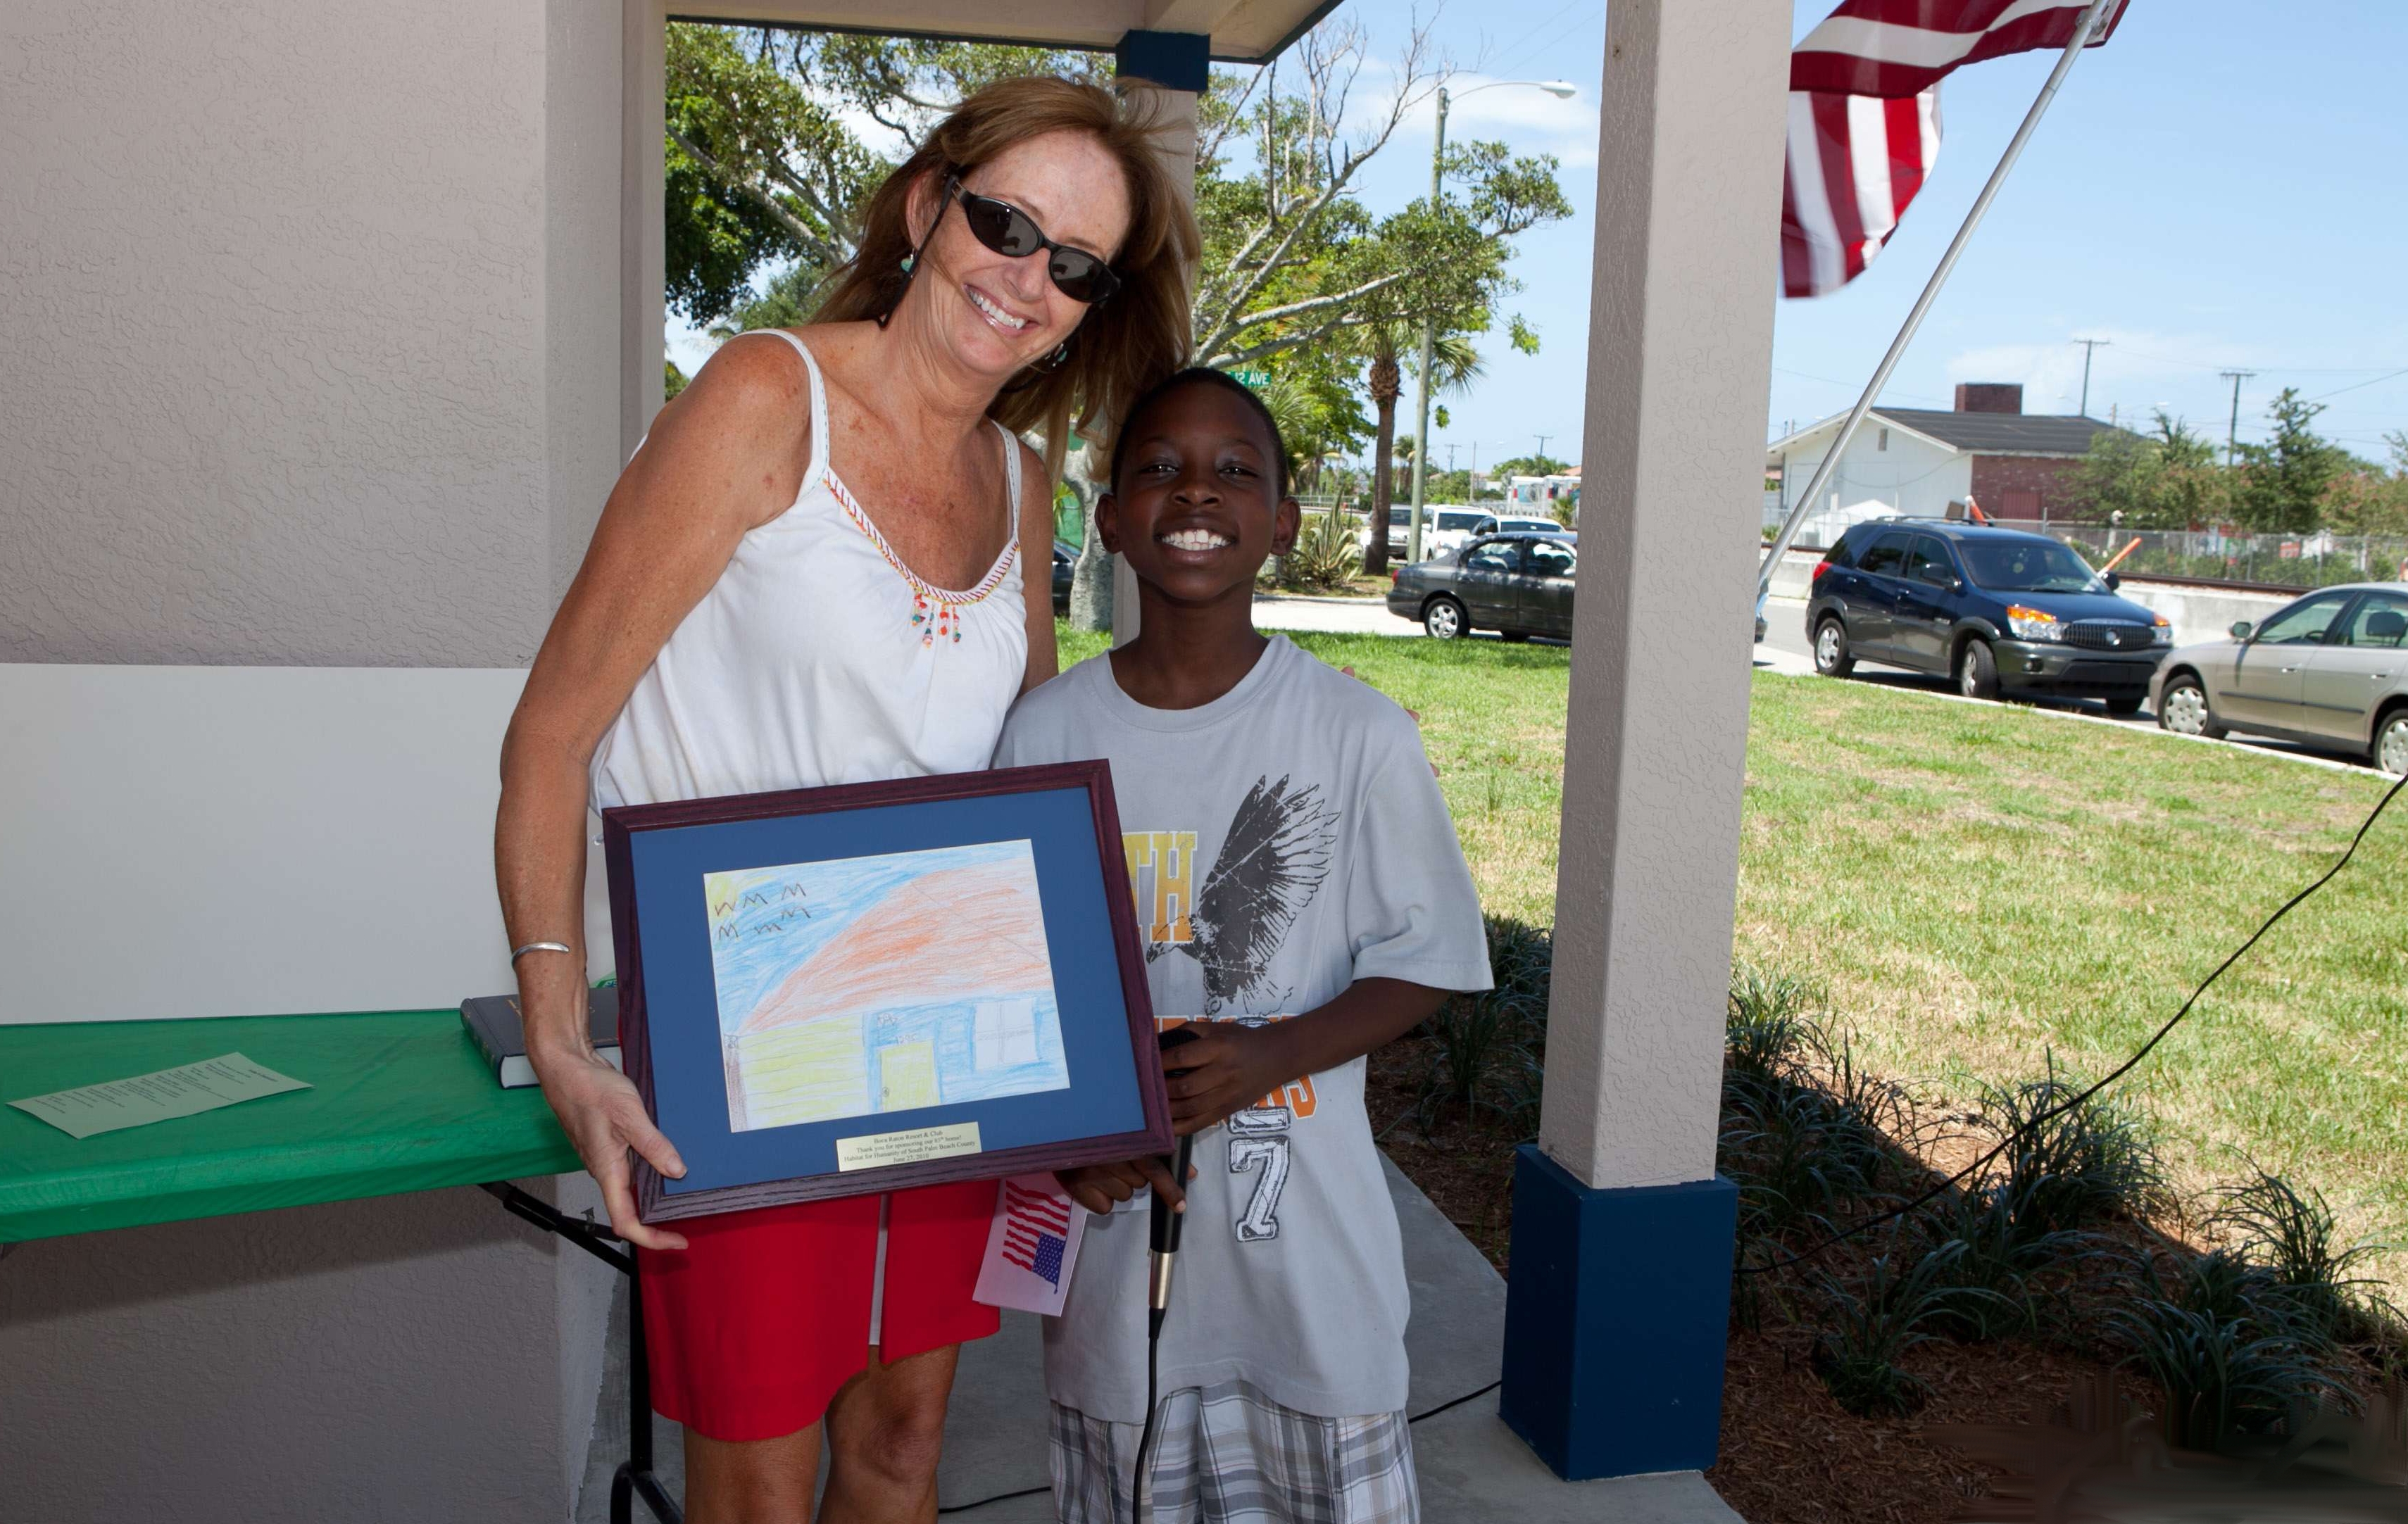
[{"x": 1455, "y": 364}]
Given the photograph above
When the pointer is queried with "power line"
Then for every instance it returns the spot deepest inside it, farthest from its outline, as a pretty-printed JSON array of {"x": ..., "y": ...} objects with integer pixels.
[
  {"x": 1510, "y": 51},
  {"x": 1852, "y": 386},
  {"x": 2354, "y": 386},
  {"x": 2218, "y": 365}
]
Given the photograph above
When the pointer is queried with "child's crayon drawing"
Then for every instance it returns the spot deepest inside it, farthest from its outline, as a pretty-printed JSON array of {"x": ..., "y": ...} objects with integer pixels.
[{"x": 883, "y": 984}]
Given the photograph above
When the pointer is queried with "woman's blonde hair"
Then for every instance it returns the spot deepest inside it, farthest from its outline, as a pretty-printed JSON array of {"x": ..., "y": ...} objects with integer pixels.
[{"x": 1126, "y": 344}]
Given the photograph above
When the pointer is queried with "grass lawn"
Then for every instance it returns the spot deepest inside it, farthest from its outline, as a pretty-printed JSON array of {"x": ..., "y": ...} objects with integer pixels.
[{"x": 1981, "y": 886}]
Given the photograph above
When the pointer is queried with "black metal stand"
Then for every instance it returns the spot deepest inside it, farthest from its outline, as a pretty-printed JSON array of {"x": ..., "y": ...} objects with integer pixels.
[{"x": 634, "y": 1476}]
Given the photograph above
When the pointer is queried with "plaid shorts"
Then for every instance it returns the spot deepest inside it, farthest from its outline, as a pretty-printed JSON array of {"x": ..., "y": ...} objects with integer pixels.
[{"x": 1226, "y": 1454}]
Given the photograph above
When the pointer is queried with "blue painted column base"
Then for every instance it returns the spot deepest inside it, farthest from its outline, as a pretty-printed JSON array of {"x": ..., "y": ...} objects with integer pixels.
[{"x": 1615, "y": 1314}]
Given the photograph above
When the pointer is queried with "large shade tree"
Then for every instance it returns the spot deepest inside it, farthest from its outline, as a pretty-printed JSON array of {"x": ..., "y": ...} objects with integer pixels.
[{"x": 774, "y": 145}]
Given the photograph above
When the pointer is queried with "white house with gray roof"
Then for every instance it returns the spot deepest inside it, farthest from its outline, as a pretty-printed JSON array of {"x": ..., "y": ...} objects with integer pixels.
[{"x": 1919, "y": 461}]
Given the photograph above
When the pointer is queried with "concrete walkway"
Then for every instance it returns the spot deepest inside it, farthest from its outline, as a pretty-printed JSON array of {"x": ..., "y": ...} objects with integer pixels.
[
  {"x": 1337, "y": 616},
  {"x": 1471, "y": 1466}
]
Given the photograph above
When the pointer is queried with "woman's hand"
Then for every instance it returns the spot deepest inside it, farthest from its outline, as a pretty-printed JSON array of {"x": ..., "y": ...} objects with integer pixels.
[
  {"x": 1229, "y": 1066},
  {"x": 603, "y": 1115},
  {"x": 1097, "y": 1187}
]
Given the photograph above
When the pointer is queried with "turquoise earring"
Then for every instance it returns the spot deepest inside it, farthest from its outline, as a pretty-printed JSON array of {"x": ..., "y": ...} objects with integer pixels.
[{"x": 907, "y": 264}]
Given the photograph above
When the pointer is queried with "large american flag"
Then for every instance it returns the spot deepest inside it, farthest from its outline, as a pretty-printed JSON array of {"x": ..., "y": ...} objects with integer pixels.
[
  {"x": 1864, "y": 117},
  {"x": 1036, "y": 1230}
]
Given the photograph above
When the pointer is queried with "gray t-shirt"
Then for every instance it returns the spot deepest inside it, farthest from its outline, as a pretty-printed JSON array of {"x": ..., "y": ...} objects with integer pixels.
[{"x": 1282, "y": 841}]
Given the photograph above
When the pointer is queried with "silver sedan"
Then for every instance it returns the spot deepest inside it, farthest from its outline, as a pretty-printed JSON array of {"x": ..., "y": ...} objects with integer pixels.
[{"x": 2329, "y": 669}]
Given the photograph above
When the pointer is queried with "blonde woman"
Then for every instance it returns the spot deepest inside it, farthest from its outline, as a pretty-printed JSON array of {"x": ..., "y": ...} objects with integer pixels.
[{"x": 827, "y": 564}]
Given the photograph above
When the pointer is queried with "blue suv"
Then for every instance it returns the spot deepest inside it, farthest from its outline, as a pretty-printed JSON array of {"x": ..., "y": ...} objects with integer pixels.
[{"x": 1995, "y": 609}]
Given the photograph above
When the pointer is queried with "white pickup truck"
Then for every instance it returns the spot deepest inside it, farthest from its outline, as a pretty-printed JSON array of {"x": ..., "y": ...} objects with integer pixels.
[{"x": 1451, "y": 526}]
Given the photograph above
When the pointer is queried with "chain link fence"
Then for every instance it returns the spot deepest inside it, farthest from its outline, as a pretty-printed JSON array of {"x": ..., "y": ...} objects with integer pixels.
[{"x": 2317, "y": 560}]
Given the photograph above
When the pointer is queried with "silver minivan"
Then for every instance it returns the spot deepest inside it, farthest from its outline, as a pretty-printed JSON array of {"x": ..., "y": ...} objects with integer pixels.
[{"x": 2329, "y": 670}]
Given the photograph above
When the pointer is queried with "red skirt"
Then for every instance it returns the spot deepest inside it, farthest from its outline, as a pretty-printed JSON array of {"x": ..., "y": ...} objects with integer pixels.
[{"x": 753, "y": 1327}]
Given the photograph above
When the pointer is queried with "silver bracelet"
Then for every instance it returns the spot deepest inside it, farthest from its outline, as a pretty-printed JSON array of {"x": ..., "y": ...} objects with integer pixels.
[{"x": 516, "y": 953}]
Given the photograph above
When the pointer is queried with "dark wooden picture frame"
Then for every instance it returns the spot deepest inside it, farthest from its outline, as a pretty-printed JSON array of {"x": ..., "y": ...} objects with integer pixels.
[{"x": 620, "y": 826}]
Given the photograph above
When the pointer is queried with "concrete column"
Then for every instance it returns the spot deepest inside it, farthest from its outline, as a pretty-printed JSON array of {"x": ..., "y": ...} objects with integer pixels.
[
  {"x": 643, "y": 216},
  {"x": 1171, "y": 69},
  {"x": 1622, "y": 1232}
]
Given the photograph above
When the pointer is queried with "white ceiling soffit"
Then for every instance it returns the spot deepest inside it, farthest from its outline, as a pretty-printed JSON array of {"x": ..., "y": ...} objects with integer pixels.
[{"x": 1243, "y": 30}]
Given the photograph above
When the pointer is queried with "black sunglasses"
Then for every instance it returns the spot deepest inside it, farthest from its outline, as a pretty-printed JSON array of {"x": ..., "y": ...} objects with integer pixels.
[{"x": 1012, "y": 232}]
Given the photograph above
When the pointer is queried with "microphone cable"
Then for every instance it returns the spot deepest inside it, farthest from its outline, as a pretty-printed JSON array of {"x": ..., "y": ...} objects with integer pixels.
[
  {"x": 2051, "y": 1113},
  {"x": 1161, "y": 1258},
  {"x": 1153, "y": 1334}
]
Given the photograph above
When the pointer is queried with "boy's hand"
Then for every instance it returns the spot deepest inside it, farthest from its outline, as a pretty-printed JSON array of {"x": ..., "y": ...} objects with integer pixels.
[
  {"x": 1229, "y": 1067},
  {"x": 1097, "y": 1187}
]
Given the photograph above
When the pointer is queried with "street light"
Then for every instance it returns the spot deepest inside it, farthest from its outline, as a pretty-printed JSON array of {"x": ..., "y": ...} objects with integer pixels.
[{"x": 1562, "y": 91}]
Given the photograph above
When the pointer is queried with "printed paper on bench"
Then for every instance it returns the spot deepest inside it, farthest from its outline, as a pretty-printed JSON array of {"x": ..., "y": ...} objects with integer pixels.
[{"x": 1031, "y": 1245}]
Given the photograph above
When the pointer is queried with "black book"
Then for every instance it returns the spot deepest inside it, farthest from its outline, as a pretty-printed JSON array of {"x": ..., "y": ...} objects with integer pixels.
[{"x": 493, "y": 1020}]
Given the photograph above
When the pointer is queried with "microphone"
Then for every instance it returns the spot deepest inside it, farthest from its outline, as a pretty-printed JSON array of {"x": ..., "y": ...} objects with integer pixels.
[{"x": 1165, "y": 1222}]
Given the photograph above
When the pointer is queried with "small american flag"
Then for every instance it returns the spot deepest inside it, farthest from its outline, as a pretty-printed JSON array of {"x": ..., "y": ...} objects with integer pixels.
[
  {"x": 1036, "y": 1230},
  {"x": 1031, "y": 1245},
  {"x": 1864, "y": 117}
]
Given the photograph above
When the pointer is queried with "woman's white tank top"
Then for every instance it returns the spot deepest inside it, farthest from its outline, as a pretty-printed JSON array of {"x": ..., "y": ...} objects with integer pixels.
[{"x": 819, "y": 657}]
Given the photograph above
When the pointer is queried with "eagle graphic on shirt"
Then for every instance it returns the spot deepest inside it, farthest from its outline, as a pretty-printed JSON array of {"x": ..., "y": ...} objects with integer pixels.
[{"x": 1273, "y": 858}]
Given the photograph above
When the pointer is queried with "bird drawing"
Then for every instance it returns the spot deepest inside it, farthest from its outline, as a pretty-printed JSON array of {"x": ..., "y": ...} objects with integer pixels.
[{"x": 1272, "y": 861}]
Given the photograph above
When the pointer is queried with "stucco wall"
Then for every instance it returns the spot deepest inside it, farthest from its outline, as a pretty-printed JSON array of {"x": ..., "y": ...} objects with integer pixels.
[
  {"x": 395, "y": 1358},
  {"x": 274, "y": 291},
  {"x": 314, "y": 316}
]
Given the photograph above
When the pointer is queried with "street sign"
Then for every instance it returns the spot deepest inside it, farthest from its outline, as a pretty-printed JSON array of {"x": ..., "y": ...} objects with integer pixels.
[{"x": 1253, "y": 378}]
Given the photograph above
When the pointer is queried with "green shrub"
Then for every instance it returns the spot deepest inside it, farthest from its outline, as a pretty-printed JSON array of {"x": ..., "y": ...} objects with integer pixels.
[
  {"x": 2290, "y": 1237},
  {"x": 1770, "y": 1026},
  {"x": 1795, "y": 1159},
  {"x": 1487, "y": 1049},
  {"x": 1987, "y": 1292},
  {"x": 1325, "y": 558},
  {"x": 2069, "y": 1166},
  {"x": 1807, "y": 1130},
  {"x": 2225, "y": 1379},
  {"x": 1871, "y": 1117},
  {"x": 1863, "y": 1337}
]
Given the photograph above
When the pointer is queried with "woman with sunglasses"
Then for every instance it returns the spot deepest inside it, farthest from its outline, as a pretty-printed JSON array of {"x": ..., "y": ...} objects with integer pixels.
[{"x": 829, "y": 562}]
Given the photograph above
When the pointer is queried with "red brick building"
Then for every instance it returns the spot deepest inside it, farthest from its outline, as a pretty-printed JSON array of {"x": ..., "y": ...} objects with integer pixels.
[{"x": 2020, "y": 460}]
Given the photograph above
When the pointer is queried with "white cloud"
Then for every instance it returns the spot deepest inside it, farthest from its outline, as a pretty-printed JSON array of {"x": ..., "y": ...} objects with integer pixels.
[
  {"x": 1531, "y": 121},
  {"x": 1527, "y": 119}
]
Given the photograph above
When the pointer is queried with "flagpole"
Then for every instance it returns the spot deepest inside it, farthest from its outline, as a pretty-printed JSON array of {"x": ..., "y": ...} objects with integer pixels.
[{"x": 1790, "y": 526}]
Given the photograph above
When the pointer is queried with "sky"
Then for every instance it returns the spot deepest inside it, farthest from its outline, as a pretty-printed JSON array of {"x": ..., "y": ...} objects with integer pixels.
[{"x": 2206, "y": 194}]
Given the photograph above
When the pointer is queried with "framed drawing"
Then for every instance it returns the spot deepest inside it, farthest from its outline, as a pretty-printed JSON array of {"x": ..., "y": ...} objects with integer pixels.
[{"x": 830, "y": 992}]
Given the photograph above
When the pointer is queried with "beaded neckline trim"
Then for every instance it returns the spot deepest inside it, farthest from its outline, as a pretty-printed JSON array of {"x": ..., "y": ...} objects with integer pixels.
[{"x": 935, "y": 610}]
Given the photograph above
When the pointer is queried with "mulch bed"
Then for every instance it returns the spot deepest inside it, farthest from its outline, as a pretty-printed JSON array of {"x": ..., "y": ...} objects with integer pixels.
[{"x": 1789, "y": 1452}]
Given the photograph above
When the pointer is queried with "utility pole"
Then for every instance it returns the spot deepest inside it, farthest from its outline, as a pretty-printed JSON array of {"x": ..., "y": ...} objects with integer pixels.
[
  {"x": 2089, "y": 345},
  {"x": 1450, "y": 458},
  {"x": 1560, "y": 91},
  {"x": 2233, "y": 430},
  {"x": 1542, "y": 439}
]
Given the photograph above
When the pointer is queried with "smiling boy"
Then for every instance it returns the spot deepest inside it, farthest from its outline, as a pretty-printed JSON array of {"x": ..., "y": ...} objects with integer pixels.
[{"x": 1304, "y": 901}]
